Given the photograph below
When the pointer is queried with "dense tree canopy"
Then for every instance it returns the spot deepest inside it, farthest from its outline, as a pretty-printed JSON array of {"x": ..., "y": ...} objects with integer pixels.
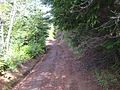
[{"x": 86, "y": 18}]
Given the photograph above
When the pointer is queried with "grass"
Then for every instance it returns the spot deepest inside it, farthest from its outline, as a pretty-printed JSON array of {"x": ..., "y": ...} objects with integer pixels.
[{"x": 106, "y": 79}]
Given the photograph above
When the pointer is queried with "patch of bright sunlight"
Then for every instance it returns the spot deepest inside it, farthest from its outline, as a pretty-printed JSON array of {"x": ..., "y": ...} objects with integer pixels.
[
  {"x": 9, "y": 76},
  {"x": 50, "y": 35}
]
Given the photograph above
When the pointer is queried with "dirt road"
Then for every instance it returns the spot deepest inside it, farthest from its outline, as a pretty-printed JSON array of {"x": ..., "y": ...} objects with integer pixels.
[{"x": 59, "y": 71}]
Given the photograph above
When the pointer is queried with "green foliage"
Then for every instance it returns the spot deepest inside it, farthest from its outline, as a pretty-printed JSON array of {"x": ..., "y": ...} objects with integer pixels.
[
  {"x": 29, "y": 34},
  {"x": 85, "y": 18},
  {"x": 27, "y": 39},
  {"x": 106, "y": 79},
  {"x": 112, "y": 44},
  {"x": 3, "y": 66}
]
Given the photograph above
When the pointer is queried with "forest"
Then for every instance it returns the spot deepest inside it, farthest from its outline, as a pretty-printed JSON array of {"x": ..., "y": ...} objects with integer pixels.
[
  {"x": 92, "y": 25},
  {"x": 91, "y": 29}
]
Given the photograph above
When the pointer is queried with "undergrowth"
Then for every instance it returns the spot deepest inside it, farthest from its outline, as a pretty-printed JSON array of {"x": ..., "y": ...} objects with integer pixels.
[
  {"x": 109, "y": 78},
  {"x": 27, "y": 40},
  {"x": 106, "y": 79}
]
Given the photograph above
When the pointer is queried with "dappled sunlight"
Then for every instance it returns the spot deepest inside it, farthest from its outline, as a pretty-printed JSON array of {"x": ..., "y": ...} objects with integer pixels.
[
  {"x": 56, "y": 72},
  {"x": 50, "y": 42},
  {"x": 60, "y": 44},
  {"x": 45, "y": 81},
  {"x": 52, "y": 74},
  {"x": 9, "y": 76}
]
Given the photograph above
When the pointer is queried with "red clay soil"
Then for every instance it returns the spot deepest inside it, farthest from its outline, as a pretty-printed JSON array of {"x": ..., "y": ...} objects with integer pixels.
[
  {"x": 1, "y": 84},
  {"x": 59, "y": 71}
]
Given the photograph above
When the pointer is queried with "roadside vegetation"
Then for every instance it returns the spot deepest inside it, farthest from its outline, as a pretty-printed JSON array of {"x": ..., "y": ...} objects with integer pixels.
[{"x": 23, "y": 31}]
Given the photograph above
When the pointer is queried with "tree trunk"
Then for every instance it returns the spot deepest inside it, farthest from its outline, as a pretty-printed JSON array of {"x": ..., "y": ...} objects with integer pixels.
[{"x": 13, "y": 12}]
